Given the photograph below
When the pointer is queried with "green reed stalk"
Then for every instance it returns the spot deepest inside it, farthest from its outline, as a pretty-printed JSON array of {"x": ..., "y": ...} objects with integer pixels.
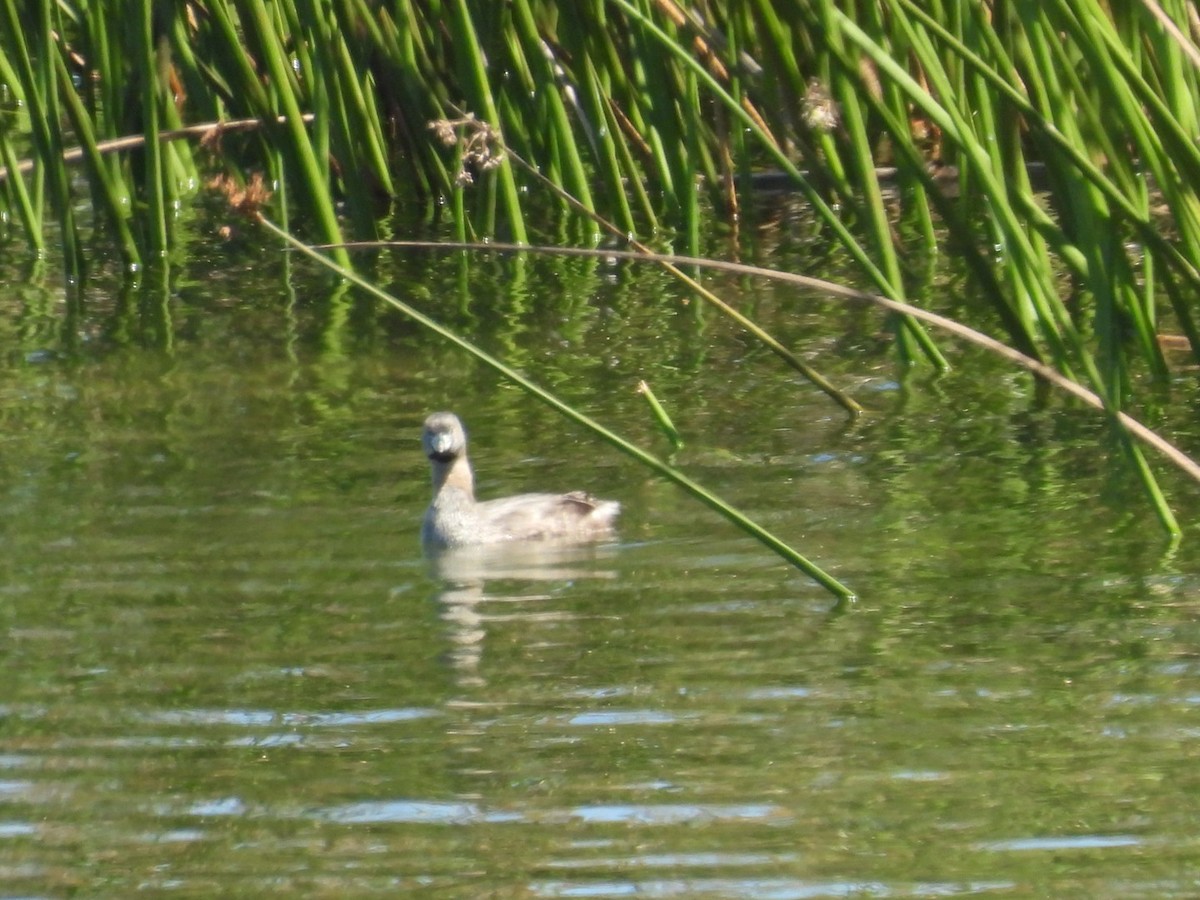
[
  {"x": 404, "y": 46},
  {"x": 480, "y": 97},
  {"x": 612, "y": 100},
  {"x": 299, "y": 148},
  {"x": 40, "y": 92},
  {"x": 109, "y": 187},
  {"x": 846, "y": 90},
  {"x": 661, "y": 416},
  {"x": 345, "y": 131},
  {"x": 105, "y": 38},
  {"x": 693, "y": 151},
  {"x": 237, "y": 74},
  {"x": 183, "y": 177},
  {"x": 737, "y": 163},
  {"x": 1162, "y": 145},
  {"x": 19, "y": 197},
  {"x": 650, "y": 114},
  {"x": 1067, "y": 159},
  {"x": 154, "y": 178},
  {"x": 828, "y": 215},
  {"x": 918, "y": 152},
  {"x": 1089, "y": 225},
  {"x": 28, "y": 210},
  {"x": 1034, "y": 278},
  {"x": 1080, "y": 163},
  {"x": 366, "y": 117},
  {"x": 614, "y": 156},
  {"x": 544, "y": 72}
]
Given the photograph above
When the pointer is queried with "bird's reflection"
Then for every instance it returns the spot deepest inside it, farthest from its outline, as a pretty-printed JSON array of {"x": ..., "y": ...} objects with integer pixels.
[{"x": 469, "y": 576}]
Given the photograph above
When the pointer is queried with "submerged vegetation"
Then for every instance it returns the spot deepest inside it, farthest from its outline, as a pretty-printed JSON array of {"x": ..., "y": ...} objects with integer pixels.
[{"x": 1051, "y": 146}]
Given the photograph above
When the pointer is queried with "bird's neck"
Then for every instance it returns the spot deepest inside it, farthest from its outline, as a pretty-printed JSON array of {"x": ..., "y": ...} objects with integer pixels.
[{"x": 454, "y": 474}]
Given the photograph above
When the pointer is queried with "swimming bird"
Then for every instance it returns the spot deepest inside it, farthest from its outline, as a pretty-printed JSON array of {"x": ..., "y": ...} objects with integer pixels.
[{"x": 456, "y": 519}]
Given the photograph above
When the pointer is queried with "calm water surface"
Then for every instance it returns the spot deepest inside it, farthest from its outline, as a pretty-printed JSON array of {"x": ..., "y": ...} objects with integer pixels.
[{"x": 228, "y": 670}]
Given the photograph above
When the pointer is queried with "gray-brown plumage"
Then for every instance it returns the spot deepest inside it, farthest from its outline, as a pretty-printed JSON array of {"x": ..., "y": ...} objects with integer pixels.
[{"x": 456, "y": 519}]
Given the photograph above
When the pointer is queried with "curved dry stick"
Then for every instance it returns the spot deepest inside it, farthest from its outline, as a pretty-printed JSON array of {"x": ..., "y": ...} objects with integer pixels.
[
  {"x": 1144, "y": 434},
  {"x": 129, "y": 142}
]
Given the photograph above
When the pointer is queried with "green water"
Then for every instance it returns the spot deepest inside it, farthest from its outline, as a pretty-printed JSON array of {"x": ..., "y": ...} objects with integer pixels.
[{"x": 228, "y": 671}]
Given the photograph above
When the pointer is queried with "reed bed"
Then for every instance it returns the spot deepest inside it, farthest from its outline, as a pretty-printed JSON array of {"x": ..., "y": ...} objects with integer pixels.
[{"x": 1051, "y": 146}]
